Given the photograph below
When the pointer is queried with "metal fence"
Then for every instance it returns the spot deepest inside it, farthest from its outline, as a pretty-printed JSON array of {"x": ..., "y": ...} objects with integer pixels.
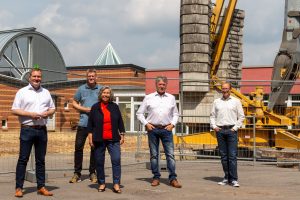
[
  {"x": 264, "y": 145},
  {"x": 193, "y": 138}
]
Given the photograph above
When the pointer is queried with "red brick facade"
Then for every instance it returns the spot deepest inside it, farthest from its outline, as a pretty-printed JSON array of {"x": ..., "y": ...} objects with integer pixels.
[{"x": 66, "y": 116}]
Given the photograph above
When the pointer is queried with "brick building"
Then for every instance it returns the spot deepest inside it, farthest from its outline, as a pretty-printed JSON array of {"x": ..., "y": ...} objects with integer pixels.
[{"x": 126, "y": 80}]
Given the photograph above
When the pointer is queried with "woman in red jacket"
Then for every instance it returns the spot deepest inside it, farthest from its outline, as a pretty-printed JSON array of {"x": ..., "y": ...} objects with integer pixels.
[{"x": 106, "y": 130}]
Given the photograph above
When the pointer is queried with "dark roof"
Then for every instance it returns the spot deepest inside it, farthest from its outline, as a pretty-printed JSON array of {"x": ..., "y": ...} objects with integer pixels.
[
  {"x": 49, "y": 85},
  {"x": 127, "y": 87},
  {"x": 162, "y": 69},
  {"x": 106, "y": 67},
  {"x": 257, "y": 66},
  {"x": 11, "y": 81}
]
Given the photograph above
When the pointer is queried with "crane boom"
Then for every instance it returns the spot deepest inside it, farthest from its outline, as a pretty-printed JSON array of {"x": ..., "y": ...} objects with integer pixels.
[
  {"x": 222, "y": 37},
  {"x": 219, "y": 42}
]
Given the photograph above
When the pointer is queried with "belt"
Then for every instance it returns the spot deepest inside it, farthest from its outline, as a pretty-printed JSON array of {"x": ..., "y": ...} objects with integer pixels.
[
  {"x": 158, "y": 126},
  {"x": 226, "y": 127},
  {"x": 34, "y": 126}
]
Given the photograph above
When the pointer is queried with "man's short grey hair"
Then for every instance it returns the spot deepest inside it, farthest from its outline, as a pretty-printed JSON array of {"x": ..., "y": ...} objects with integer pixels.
[{"x": 161, "y": 78}]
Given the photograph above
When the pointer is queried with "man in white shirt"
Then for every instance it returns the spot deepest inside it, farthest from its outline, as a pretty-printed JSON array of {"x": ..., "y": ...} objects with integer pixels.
[
  {"x": 33, "y": 104},
  {"x": 161, "y": 119},
  {"x": 226, "y": 118}
]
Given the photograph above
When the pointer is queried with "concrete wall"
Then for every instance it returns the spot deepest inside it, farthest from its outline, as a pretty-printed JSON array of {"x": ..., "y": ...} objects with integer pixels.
[
  {"x": 195, "y": 50},
  {"x": 195, "y": 57}
]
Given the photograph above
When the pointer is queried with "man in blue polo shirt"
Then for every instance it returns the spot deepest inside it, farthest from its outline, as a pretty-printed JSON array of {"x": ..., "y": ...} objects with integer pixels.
[{"x": 84, "y": 98}]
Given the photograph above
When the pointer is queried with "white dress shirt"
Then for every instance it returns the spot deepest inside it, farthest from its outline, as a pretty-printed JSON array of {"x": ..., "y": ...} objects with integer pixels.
[
  {"x": 161, "y": 110},
  {"x": 227, "y": 112},
  {"x": 31, "y": 100}
]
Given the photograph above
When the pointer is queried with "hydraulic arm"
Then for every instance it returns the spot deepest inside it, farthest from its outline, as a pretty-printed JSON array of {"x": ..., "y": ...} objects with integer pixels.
[{"x": 287, "y": 61}]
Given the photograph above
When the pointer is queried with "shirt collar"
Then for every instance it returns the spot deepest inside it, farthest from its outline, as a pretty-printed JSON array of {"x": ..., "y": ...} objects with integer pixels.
[
  {"x": 32, "y": 88},
  {"x": 164, "y": 95},
  {"x": 88, "y": 87},
  {"x": 227, "y": 98}
]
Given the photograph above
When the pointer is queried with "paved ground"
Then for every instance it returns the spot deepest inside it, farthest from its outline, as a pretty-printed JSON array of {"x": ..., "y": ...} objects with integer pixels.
[{"x": 199, "y": 182}]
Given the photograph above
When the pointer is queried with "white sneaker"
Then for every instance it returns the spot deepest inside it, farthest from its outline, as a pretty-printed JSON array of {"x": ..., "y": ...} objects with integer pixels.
[
  {"x": 235, "y": 184},
  {"x": 224, "y": 182}
]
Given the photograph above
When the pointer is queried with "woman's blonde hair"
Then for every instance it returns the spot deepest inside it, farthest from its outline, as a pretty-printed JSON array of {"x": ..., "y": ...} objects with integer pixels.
[{"x": 111, "y": 98}]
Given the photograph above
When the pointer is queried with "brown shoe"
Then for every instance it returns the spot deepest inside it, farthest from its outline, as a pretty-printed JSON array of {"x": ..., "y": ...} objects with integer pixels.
[
  {"x": 155, "y": 182},
  {"x": 44, "y": 191},
  {"x": 175, "y": 183},
  {"x": 19, "y": 192},
  {"x": 116, "y": 189}
]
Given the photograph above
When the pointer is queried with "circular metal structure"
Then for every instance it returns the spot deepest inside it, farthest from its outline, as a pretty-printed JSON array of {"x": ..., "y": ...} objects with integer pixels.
[{"x": 20, "y": 49}]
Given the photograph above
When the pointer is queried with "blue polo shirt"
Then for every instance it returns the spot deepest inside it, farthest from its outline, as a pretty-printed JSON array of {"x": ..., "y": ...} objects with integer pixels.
[{"x": 87, "y": 97}]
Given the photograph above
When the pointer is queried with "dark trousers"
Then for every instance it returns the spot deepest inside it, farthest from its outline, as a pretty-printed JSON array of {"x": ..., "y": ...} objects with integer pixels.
[
  {"x": 227, "y": 143},
  {"x": 81, "y": 136},
  {"x": 114, "y": 151},
  {"x": 28, "y": 138},
  {"x": 166, "y": 138}
]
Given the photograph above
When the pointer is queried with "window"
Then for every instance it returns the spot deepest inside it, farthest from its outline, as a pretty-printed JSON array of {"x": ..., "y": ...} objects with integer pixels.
[
  {"x": 138, "y": 126},
  {"x": 125, "y": 109},
  {"x": 295, "y": 97},
  {"x": 66, "y": 105},
  {"x": 124, "y": 99},
  {"x": 138, "y": 99},
  {"x": 4, "y": 123}
]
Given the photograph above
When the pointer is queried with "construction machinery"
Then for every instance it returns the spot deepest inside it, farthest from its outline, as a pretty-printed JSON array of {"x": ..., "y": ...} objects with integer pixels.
[
  {"x": 287, "y": 61},
  {"x": 266, "y": 127}
]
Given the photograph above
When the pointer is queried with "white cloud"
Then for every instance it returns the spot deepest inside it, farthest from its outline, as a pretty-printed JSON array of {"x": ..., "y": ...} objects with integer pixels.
[
  {"x": 262, "y": 31},
  {"x": 143, "y": 32},
  {"x": 149, "y": 11},
  {"x": 78, "y": 53},
  {"x": 5, "y": 16},
  {"x": 49, "y": 15},
  {"x": 161, "y": 57},
  {"x": 54, "y": 20}
]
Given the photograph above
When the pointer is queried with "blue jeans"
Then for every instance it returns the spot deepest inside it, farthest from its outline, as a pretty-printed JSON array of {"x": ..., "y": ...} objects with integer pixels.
[
  {"x": 38, "y": 138},
  {"x": 166, "y": 138},
  {"x": 115, "y": 156},
  {"x": 227, "y": 143}
]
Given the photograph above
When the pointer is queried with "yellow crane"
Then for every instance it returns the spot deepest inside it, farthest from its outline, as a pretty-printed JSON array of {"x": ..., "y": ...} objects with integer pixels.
[{"x": 269, "y": 126}]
